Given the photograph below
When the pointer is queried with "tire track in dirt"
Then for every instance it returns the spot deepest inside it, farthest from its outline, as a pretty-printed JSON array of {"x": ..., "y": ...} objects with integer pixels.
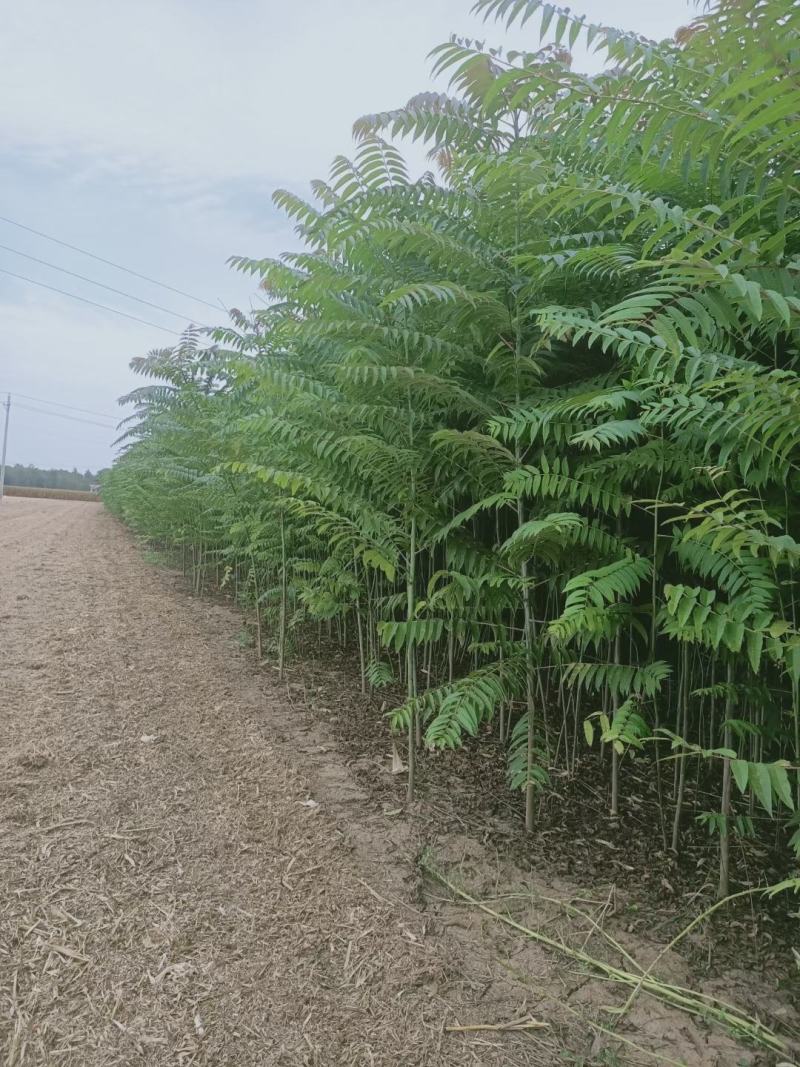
[{"x": 170, "y": 890}]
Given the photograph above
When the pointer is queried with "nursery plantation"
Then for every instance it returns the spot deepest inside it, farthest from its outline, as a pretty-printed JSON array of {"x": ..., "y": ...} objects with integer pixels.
[{"x": 521, "y": 433}]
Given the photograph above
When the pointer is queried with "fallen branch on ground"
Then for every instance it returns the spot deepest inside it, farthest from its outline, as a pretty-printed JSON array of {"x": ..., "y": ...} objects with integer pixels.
[
  {"x": 701, "y": 1005},
  {"x": 519, "y": 1024}
]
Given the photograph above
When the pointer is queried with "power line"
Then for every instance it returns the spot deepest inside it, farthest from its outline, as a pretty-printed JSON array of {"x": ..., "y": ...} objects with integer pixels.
[
  {"x": 108, "y": 262},
  {"x": 69, "y": 407},
  {"x": 101, "y": 285},
  {"x": 94, "y": 303},
  {"x": 61, "y": 415}
]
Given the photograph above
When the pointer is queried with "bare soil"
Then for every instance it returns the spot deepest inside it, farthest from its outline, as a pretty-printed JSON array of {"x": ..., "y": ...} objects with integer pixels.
[{"x": 196, "y": 869}]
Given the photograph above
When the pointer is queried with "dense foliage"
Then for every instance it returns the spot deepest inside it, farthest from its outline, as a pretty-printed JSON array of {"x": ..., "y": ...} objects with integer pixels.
[{"x": 529, "y": 430}]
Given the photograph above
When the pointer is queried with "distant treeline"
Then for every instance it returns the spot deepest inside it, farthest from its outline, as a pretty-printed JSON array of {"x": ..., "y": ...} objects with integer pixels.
[{"x": 17, "y": 474}]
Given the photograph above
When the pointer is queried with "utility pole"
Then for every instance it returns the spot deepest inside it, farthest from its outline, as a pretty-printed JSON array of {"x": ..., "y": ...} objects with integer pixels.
[{"x": 7, "y": 406}]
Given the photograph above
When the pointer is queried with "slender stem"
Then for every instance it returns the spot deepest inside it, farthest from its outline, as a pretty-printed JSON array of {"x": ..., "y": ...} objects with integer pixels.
[
  {"x": 282, "y": 624},
  {"x": 723, "y": 888}
]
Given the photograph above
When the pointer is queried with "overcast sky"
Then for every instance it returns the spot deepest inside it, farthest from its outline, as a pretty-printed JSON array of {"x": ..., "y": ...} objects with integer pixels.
[{"x": 153, "y": 134}]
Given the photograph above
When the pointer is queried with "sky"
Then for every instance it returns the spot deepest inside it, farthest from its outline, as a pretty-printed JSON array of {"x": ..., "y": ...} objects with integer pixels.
[{"x": 153, "y": 135}]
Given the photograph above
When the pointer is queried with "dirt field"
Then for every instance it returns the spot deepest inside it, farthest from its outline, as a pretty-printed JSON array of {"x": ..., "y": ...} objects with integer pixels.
[
  {"x": 190, "y": 875},
  {"x": 173, "y": 894}
]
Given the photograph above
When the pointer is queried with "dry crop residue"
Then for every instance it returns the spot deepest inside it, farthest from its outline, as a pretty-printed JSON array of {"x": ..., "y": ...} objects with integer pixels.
[{"x": 171, "y": 892}]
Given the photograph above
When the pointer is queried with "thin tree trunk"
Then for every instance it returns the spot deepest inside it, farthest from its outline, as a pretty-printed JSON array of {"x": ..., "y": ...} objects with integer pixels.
[
  {"x": 411, "y": 663},
  {"x": 614, "y": 753},
  {"x": 723, "y": 889},
  {"x": 653, "y": 606},
  {"x": 683, "y": 720},
  {"x": 361, "y": 661},
  {"x": 530, "y": 699},
  {"x": 282, "y": 623},
  {"x": 259, "y": 646}
]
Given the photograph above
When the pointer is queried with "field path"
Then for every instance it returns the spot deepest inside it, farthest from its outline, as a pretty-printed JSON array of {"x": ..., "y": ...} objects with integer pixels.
[{"x": 170, "y": 890}]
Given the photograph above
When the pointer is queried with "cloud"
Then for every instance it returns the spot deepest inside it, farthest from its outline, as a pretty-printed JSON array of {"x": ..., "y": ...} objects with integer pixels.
[
  {"x": 199, "y": 91},
  {"x": 205, "y": 91},
  {"x": 154, "y": 135}
]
